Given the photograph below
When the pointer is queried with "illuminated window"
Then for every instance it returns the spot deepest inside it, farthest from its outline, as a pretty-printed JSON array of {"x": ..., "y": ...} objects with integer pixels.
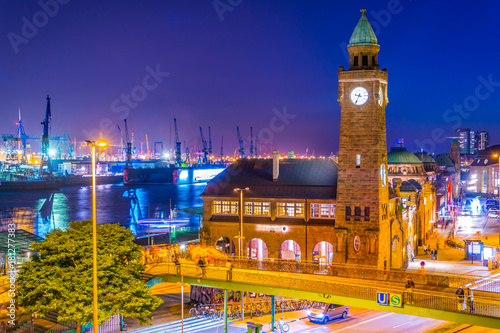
[
  {"x": 290, "y": 209},
  {"x": 358, "y": 161},
  {"x": 257, "y": 208},
  {"x": 226, "y": 207},
  {"x": 324, "y": 211}
]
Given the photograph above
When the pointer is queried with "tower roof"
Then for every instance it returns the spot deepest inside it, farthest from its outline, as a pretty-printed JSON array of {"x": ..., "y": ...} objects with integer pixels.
[
  {"x": 363, "y": 33},
  {"x": 402, "y": 157}
]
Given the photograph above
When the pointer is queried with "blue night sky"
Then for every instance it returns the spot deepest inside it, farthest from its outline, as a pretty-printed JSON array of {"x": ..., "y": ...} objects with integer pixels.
[{"x": 245, "y": 64}]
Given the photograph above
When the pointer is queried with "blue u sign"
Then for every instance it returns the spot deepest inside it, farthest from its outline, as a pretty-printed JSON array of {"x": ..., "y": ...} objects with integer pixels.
[{"x": 383, "y": 298}]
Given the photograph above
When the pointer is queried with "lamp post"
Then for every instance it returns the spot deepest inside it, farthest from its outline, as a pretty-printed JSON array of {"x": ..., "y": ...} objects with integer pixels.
[
  {"x": 240, "y": 237},
  {"x": 93, "y": 144},
  {"x": 498, "y": 156}
]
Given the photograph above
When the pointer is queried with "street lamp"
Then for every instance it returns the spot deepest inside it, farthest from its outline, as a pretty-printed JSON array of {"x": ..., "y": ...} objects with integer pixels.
[
  {"x": 240, "y": 237},
  {"x": 93, "y": 144},
  {"x": 498, "y": 155}
]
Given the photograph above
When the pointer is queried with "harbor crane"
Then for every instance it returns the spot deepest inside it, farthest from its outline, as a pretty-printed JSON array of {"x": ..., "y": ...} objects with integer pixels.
[
  {"x": 205, "y": 149},
  {"x": 209, "y": 141},
  {"x": 251, "y": 141},
  {"x": 178, "y": 157},
  {"x": 187, "y": 152},
  {"x": 240, "y": 140},
  {"x": 128, "y": 153},
  {"x": 221, "y": 148},
  {"x": 120, "y": 155}
]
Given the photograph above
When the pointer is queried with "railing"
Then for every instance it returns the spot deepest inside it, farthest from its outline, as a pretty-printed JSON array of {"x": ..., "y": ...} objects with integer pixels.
[
  {"x": 347, "y": 271},
  {"x": 435, "y": 300},
  {"x": 62, "y": 327}
]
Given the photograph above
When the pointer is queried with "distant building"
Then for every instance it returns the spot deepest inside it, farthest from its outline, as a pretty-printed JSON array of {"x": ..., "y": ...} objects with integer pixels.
[
  {"x": 471, "y": 142},
  {"x": 483, "y": 174}
]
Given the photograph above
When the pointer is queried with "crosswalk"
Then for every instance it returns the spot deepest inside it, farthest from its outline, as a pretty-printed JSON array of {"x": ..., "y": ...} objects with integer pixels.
[{"x": 191, "y": 325}]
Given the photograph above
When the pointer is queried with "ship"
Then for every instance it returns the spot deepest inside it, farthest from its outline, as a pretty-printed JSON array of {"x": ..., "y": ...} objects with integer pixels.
[{"x": 172, "y": 174}]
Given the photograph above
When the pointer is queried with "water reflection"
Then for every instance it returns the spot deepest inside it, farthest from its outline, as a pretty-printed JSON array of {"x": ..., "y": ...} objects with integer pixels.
[{"x": 142, "y": 209}]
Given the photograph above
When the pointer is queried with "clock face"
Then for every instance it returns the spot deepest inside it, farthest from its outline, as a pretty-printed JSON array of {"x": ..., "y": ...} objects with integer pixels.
[
  {"x": 359, "y": 95},
  {"x": 380, "y": 96}
]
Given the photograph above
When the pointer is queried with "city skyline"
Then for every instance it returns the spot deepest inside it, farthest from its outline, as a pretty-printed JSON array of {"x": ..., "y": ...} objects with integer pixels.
[{"x": 272, "y": 67}]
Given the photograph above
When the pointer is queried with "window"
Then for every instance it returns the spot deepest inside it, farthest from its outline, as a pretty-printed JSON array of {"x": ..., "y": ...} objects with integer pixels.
[
  {"x": 409, "y": 197},
  {"x": 347, "y": 211},
  {"x": 355, "y": 61},
  {"x": 357, "y": 211},
  {"x": 373, "y": 61},
  {"x": 290, "y": 209},
  {"x": 358, "y": 161},
  {"x": 257, "y": 208},
  {"x": 226, "y": 207},
  {"x": 365, "y": 61},
  {"x": 323, "y": 211},
  {"x": 367, "y": 213}
]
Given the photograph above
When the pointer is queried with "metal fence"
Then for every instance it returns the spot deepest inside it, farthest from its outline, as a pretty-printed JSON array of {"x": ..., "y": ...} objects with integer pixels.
[{"x": 435, "y": 300}]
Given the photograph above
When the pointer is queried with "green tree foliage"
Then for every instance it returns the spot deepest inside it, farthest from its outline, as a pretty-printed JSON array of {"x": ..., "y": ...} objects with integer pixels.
[{"x": 59, "y": 278}]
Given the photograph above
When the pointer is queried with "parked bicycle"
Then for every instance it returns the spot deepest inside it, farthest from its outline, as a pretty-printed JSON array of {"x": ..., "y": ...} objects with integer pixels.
[{"x": 281, "y": 324}]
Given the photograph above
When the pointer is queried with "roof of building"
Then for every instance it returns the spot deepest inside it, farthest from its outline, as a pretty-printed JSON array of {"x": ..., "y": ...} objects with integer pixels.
[
  {"x": 402, "y": 157},
  {"x": 363, "y": 33},
  {"x": 298, "y": 178},
  {"x": 424, "y": 157},
  {"x": 406, "y": 186},
  {"x": 444, "y": 160},
  {"x": 487, "y": 156}
]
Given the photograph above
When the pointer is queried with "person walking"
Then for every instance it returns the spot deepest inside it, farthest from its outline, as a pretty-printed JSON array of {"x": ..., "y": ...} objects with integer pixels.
[
  {"x": 469, "y": 296},
  {"x": 461, "y": 299},
  {"x": 436, "y": 254},
  {"x": 177, "y": 265},
  {"x": 201, "y": 263},
  {"x": 410, "y": 286},
  {"x": 229, "y": 266},
  {"x": 432, "y": 254}
]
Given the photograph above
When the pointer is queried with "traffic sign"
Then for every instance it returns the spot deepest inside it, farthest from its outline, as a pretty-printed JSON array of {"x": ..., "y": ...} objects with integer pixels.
[
  {"x": 382, "y": 298},
  {"x": 396, "y": 300}
]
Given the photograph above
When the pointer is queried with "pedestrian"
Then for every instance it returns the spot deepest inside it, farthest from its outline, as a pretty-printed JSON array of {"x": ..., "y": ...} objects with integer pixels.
[
  {"x": 410, "y": 285},
  {"x": 201, "y": 263},
  {"x": 461, "y": 299},
  {"x": 432, "y": 254},
  {"x": 470, "y": 299},
  {"x": 229, "y": 267},
  {"x": 412, "y": 256},
  {"x": 425, "y": 249},
  {"x": 177, "y": 265},
  {"x": 435, "y": 254}
]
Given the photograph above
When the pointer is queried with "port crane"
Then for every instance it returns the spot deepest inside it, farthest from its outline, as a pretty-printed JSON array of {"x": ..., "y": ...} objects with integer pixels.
[
  {"x": 120, "y": 155},
  {"x": 221, "y": 148},
  {"x": 187, "y": 152},
  {"x": 251, "y": 141},
  {"x": 128, "y": 154},
  {"x": 240, "y": 140},
  {"x": 178, "y": 156},
  {"x": 209, "y": 141},
  {"x": 205, "y": 149}
]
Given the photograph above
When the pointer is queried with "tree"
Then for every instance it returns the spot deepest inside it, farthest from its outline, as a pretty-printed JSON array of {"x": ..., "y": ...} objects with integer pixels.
[{"x": 59, "y": 276}]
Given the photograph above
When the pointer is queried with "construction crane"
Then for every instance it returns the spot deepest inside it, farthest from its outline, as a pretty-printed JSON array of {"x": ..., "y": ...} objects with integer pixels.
[
  {"x": 204, "y": 149},
  {"x": 251, "y": 141},
  {"x": 221, "y": 148},
  {"x": 120, "y": 155},
  {"x": 178, "y": 157},
  {"x": 147, "y": 148},
  {"x": 128, "y": 154},
  {"x": 45, "y": 136},
  {"x": 187, "y": 152},
  {"x": 209, "y": 141},
  {"x": 242, "y": 148}
]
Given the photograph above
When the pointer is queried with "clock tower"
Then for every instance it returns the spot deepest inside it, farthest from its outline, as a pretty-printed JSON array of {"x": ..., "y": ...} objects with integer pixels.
[{"x": 362, "y": 226}]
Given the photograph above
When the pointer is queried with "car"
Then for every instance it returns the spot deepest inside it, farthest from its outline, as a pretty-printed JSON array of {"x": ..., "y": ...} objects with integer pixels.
[
  {"x": 493, "y": 213},
  {"x": 324, "y": 312}
]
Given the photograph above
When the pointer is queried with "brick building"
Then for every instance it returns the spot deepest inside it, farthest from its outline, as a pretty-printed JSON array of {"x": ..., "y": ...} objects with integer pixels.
[{"x": 315, "y": 209}]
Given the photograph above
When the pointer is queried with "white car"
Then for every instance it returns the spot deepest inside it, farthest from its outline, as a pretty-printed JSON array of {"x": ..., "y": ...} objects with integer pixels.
[{"x": 493, "y": 213}]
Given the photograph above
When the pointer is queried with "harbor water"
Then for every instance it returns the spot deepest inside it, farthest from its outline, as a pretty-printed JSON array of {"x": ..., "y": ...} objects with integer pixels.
[{"x": 144, "y": 209}]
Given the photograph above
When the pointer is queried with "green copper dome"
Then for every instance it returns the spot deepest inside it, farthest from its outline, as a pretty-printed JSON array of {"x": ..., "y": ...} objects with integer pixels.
[
  {"x": 402, "y": 157},
  {"x": 363, "y": 33}
]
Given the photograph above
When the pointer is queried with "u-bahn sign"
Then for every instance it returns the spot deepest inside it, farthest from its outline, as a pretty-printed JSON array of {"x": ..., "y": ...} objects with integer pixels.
[{"x": 383, "y": 298}]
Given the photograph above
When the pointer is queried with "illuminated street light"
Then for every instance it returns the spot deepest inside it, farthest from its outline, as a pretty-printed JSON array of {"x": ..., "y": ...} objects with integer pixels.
[
  {"x": 93, "y": 144},
  {"x": 240, "y": 237},
  {"x": 498, "y": 155}
]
